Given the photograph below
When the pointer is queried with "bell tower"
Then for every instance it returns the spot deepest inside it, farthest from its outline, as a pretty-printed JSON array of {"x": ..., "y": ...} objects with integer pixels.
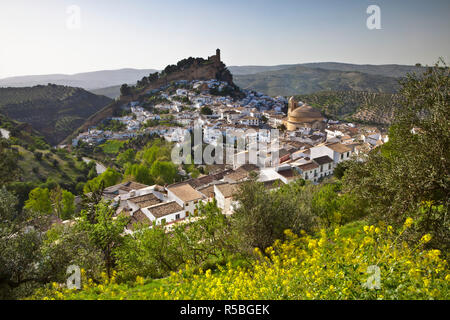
[{"x": 218, "y": 55}]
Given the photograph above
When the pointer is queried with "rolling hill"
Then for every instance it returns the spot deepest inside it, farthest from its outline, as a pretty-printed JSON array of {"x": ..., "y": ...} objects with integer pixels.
[
  {"x": 304, "y": 80},
  {"x": 86, "y": 80},
  {"x": 108, "y": 82},
  {"x": 53, "y": 111}
]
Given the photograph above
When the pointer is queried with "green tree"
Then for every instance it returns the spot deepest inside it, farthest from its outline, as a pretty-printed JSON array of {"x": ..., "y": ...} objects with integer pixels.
[
  {"x": 206, "y": 111},
  {"x": 106, "y": 233},
  {"x": 125, "y": 90},
  {"x": 261, "y": 216},
  {"x": 125, "y": 157},
  {"x": 8, "y": 163},
  {"x": 409, "y": 175},
  {"x": 39, "y": 201},
  {"x": 20, "y": 242},
  {"x": 139, "y": 173},
  {"x": 68, "y": 205},
  {"x": 163, "y": 172},
  {"x": 108, "y": 178}
]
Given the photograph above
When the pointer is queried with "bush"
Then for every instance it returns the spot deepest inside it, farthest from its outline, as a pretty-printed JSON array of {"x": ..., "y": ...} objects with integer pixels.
[{"x": 326, "y": 266}]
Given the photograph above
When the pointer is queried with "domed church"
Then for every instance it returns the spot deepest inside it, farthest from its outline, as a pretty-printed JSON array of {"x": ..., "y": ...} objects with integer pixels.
[{"x": 303, "y": 117}]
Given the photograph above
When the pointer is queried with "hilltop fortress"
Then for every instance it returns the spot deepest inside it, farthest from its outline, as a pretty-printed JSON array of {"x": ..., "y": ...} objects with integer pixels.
[{"x": 187, "y": 69}]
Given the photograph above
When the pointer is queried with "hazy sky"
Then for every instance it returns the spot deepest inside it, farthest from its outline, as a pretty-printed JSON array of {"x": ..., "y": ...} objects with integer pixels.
[{"x": 113, "y": 34}]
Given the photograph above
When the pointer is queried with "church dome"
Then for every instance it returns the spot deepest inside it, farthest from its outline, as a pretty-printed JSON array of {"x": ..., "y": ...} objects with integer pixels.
[{"x": 305, "y": 113}]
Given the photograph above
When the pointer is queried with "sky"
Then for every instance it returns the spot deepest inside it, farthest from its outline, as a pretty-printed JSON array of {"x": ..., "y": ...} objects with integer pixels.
[{"x": 49, "y": 36}]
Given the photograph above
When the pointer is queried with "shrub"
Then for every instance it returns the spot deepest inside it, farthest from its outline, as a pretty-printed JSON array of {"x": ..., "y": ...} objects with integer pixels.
[{"x": 326, "y": 266}]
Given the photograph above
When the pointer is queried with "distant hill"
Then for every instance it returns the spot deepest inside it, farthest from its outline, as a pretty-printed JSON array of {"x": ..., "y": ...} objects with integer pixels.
[
  {"x": 54, "y": 111},
  {"x": 108, "y": 82},
  {"x": 303, "y": 80},
  {"x": 86, "y": 80},
  {"x": 110, "y": 92},
  {"x": 387, "y": 70}
]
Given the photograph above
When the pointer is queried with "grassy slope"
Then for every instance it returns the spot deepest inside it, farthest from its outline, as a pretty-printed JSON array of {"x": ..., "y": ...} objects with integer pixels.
[
  {"x": 65, "y": 172},
  {"x": 54, "y": 111}
]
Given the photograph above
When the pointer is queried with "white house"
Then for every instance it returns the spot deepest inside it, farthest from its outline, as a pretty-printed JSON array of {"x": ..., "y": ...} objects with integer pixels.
[
  {"x": 309, "y": 171},
  {"x": 165, "y": 212},
  {"x": 326, "y": 166},
  {"x": 336, "y": 151},
  {"x": 224, "y": 196},
  {"x": 186, "y": 196}
]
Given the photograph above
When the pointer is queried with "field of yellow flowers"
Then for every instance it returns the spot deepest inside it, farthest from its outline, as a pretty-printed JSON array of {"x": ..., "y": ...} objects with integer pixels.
[{"x": 376, "y": 264}]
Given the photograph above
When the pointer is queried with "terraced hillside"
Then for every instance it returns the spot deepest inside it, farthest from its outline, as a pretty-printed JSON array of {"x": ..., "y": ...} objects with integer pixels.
[
  {"x": 304, "y": 80},
  {"x": 370, "y": 107},
  {"x": 54, "y": 111}
]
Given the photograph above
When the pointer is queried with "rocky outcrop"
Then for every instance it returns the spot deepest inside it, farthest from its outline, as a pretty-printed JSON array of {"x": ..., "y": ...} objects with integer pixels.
[{"x": 187, "y": 69}]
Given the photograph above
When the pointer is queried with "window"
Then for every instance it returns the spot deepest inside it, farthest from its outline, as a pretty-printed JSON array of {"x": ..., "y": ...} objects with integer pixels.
[
  {"x": 348, "y": 154},
  {"x": 329, "y": 166},
  {"x": 177, "y": 217},
  {"x": 342, "y": 156},
  {"x": 321, "y": 168}
]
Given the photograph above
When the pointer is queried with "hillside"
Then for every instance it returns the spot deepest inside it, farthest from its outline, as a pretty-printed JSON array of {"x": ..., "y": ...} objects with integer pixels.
[
  {"x": 108, "y": 82},
  {"x": 86, "y": 80},
  {"x": 371, "y": 107},
  {"x": 112, "y": 92},
  {"x": 304, "y": 80},
  {"x": 187, "y": 69},
  {"x": 387, "y": 70},
  {"x": 37, "y": 164},
  {"x": 54, "y": 111}
]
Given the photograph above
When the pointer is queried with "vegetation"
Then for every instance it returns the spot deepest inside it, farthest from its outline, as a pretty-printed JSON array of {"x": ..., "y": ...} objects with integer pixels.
[
  {"x": 306, "y": 80},
  {"x": 409, "y": 174},
  {"x": 386, "y": 215},
  {"x": 54, "y": 111},
  {"x": 112, "y": 125},
  {"x": 108, "y": 178},
  {"x": 206, "y": 111}
]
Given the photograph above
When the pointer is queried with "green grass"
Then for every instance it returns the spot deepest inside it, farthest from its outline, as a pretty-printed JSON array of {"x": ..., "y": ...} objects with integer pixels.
[
  {"x": 112, "y": 146},
  {"x": 36, "y": 171}
]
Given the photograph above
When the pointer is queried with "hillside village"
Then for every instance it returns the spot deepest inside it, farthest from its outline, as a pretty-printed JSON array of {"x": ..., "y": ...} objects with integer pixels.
[{"x": 309, "y": 145}]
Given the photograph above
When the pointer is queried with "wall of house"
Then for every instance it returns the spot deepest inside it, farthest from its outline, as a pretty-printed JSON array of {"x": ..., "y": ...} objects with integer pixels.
[
  {"x": 170, "y": 217},
  {"x": 317, "y": 152}
]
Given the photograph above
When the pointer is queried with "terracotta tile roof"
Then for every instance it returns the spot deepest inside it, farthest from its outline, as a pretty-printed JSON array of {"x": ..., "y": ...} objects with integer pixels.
[
  {"x": 137, "y": 218},
  {"x": 308, "y": 166},
  {"x": 272, "y": 184},
  {"x": 145, "y": 200},
  {"x": 241, "y": 173},
  {"x": 164, "y": 209},
  {"x": 208, "y": 191},
  {"x": 288, "y": 174},
  {"x": 339, "y": 147},
  {"x": 203, "y": 181},
  {"x": 323, "y": 160},
  {"x": 185, "y": 192},
  {"x": 124, "y": 187},
  {"x": 228, "y": 189}
]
